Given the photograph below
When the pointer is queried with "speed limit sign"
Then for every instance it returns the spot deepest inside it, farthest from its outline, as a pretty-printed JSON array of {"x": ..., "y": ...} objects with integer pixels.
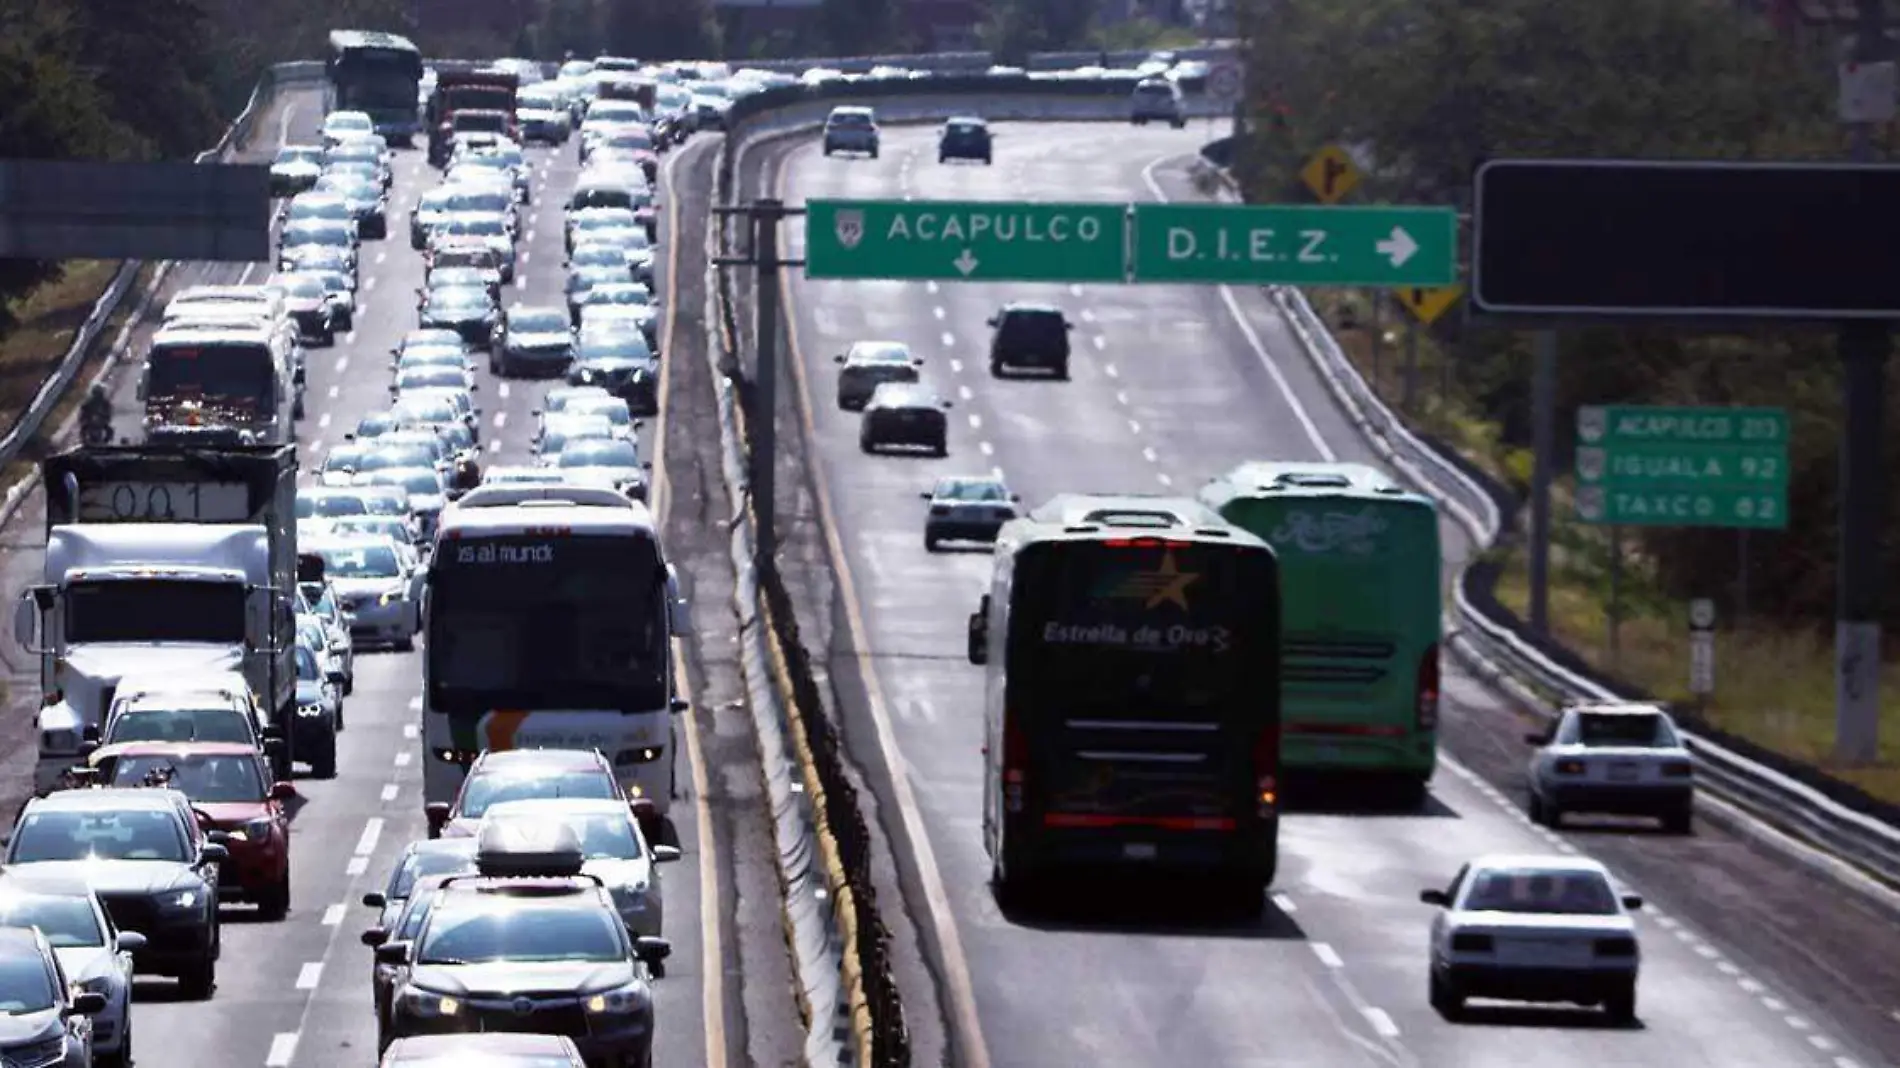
[{"x": 1223, "y": 83}]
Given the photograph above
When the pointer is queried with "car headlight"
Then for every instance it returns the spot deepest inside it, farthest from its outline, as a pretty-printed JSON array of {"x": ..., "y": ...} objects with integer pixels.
[
  {"x": 255, "y": 830},
  {"x": 59, "y": 741},
  {"x": 619, "y": 1002},
  {"x": 429, "y": 1003},
  {"x": 178, "y": 901},
  {"x": 630, "y": 898},
  {"x": 390, "y": 597}
]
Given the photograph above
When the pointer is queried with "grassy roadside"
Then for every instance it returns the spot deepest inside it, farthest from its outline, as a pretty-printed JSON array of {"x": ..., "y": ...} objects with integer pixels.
[{"x": 1774, "y": 686}]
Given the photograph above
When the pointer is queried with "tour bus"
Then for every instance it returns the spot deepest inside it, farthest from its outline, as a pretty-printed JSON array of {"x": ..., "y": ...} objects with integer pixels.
[
  {"x": 231, "y": 383},
  {"x": 1132, "y": 696},
  {"x": 549, "y": 613},
  {"x": 379, "y": 74},
  {"x": 1362, "y": 615}
]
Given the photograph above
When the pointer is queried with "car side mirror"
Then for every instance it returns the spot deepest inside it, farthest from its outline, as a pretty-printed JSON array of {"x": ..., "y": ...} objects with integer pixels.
[
  {"x": 652, "y": 951},
  {"x": 87, "y": 748},
  {"x": 1632, "y": 901},
  {"x": 666, "y": 854},
  {"x": 475, "y": 387},
  {"x": 1537, "y": 738},
  {"x": 130, "y": 941},
  {"x": 214, "y": 853},
  {"x": 351, "y": 436},
  {"x": 838, "y": 358},
  {"x": 88, "y": 1003},
  {"x": 219, "y": 838},
  {"x": 1016, "y": 498},
  {"x": 992, "y": 320},
  {"x": 923, "y": 495},
  {"x": 1434, "y": 897},
  {"x": 437, "y": 813},
  {"x": 374, "y": 937},
  {"x": 534, "y": 411},
  {"x": 393, "y": 953},
  {"x": 947, "y": 405},
  {"x": 978, "y": 637},
  {"x": 283, "y": 791},
  {"x": 678, "y": 705},
  {"x": 375, "y": 899}
]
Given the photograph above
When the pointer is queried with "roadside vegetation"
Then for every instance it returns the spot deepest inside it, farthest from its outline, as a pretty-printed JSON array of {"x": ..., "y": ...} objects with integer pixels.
[{"x": 1422, "y": 90}]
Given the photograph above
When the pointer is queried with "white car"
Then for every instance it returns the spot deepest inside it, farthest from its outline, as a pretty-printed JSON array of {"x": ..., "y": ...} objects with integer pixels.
[
  {"x": 341, "y": 126},
  {"x": 967, "y": 508},
  {"x": 1624, "y": 759},
  {"x": 1534, "y": 929}
]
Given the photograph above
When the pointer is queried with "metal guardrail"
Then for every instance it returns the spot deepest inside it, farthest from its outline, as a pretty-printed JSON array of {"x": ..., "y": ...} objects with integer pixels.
[
  {"x": 46, "y": 399},
  {"x": 1496, "y": 652}
]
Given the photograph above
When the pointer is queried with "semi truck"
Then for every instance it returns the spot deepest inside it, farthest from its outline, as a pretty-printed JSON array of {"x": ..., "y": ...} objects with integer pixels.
[
  {"x": 162, "y": 558},
  {"x": 465, "y": 90}
]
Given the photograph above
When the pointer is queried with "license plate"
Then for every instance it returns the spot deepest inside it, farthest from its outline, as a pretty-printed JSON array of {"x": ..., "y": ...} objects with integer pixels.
[
  {"x": 1138, "y": 851},
  {"x": 1624, "y": 772},
  {"x": 1539, "y": 951}
]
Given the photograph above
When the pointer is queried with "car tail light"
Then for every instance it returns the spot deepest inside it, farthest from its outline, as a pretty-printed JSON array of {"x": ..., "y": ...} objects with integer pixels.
[
  {"x": 1680, "y": 769},
  {"x": 1616, "y": 947},
  {"x": 1266, "y": 770},
  {"x": 1570, "y": 767},
  {"x": 1471, "y": 943},
  {"x": 1428, "y": 689},
  {"x": 939, "y": 509},
  {"x": 1015, "y": 766}
]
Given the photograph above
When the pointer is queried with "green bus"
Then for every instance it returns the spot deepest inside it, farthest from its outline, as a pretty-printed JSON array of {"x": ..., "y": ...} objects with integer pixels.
[
  {"x": 1361, "y": 618},
  {"x": 379, "y": 74},
  {"x": 1132, "y": 698}
]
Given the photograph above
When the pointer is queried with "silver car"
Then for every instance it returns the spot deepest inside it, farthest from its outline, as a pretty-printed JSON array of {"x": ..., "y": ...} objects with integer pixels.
[
  {"x": 377, "y": 586},
  {"x": 49, "y": 1019},
  {"x": 617, "y": 851},
  {"x": 95, "y": 955},
  {"x": 326, "y": 606}
]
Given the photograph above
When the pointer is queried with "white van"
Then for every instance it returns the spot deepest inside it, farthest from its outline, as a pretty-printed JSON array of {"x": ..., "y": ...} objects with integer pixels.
[
  {"x": 225, "y": 382},
  {"x": 1157, "y": 100}
]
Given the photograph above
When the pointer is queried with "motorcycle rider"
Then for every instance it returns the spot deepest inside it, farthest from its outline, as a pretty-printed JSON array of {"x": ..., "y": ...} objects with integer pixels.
[{"x": 96, "y": 412}]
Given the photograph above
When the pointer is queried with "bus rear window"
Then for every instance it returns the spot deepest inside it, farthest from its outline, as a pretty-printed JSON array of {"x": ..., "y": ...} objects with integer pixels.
[{"x": 237, "y": 374}]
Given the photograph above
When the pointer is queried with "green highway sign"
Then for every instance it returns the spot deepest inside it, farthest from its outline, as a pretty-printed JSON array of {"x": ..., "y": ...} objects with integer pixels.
[
  {"x": 1682, "y": 467},
  {"x": 1296, "y": 245},
  {"x": 975, "y": 241}
]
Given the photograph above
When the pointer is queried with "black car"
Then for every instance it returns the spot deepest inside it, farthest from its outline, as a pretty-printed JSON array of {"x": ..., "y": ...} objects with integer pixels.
[
  {"x": 1030, "y": 335},
  {"x": 905, "y": 414},
  {"x": 534, "y": 338},
  {"x": 465, "y": 310},
  {"x": 154, "y": 869},
  {"x": 634, "y": 379},
  {"x": 964, "y": 138}
]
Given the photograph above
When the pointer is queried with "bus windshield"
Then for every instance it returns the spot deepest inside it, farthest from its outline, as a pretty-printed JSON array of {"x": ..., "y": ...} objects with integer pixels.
[
  {"x": 240, "y": 376},
  {"x": 571, "y": 621},
  {"x": 374, "y": 77}
]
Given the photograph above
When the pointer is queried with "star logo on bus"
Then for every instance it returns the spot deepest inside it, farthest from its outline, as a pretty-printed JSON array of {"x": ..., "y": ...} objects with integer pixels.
[{"x": 1167, "y": 584}]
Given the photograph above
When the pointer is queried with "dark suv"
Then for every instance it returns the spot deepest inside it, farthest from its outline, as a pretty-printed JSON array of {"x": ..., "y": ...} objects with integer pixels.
[
  {"x": 1030, "y": 335},
  {"x": 964, "y": 138}
]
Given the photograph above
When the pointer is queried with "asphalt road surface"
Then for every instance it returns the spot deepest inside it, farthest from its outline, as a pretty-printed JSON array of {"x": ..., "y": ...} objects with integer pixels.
[
  {"x": 1749, "y": 958},
  {"x": 297, "y": 993}
]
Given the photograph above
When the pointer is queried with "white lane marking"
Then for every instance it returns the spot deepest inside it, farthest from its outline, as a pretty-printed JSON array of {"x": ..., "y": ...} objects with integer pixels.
[
  {"x": 1149, "y": 453},
  {"x": 1259, "y": 348},
  {"x": 1821, "y": 1042},
  {"x": 372, "y": 833},
  {"x": 494, "y": 446},
  {"x": 1109, "y": 370},
  {"x": 949, "y": 339},
  {"x": 1075, "y": 291},
  {"x": 501, "y": 391},
  {"x": 1088, "y": 316},
  {"x": 956, "y": 366},
  {"x": 1100, "y": 342},
  {"x": 410, "y": 730},
  {"x": 415, "y": 705},
  {"x": 988, "y": 450},
  {"x": 1121, "y": 396},
  {"x": 1774, "y": 1004},
  {"x": 334, "y": 390},
  {"x": 1799, "y": 1023},
  {"x": 245, "y": 278},
  {"x": 283, "y": 1046},
  {"x": 976, "y": 422},
  {"x": 1134, "y": 427},
  {"x": 930, "y": 287},
  {"x": 938, "y": 312},
  {"x": 403, "y": 759},
  {"x": 389, "y": 791},
  {"x": 310, "y": 975},
  {"x": 356, "y": 866},
  {"x": 966, "y": 393},
  {"x": 1381, "y": 1022},
  {"x": 333, "y": 915},
  {"x": 1285, "y": 904},
  {"x": 381, "y": 256},
  {"x": 323, "y": 420},
  {"x": 1327, "y": 955},
  {"x": 501, "y": 418},
  {"x": 996, "y": 473},
  {"x": 1165, "y": 480},
  {"x": 369, "y": 283}
]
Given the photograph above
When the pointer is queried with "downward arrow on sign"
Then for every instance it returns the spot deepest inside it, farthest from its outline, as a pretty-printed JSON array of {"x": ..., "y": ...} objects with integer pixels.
[
  {"x": 1398, "y": 248},
  {"x": 965, "y": 263}
]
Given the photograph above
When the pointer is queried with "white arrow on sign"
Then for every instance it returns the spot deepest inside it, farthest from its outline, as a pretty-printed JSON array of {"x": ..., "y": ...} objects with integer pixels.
[
  {"x": 1398, "y": 248},
  {"x": 965, "y": 263}
]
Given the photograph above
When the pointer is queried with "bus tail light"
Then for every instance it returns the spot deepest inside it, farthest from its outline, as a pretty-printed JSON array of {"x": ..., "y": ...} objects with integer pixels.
[
  {"x": 1015, "y": 767},
  {"x": 1266, "y": 769},
  {"x": 1428, "y": 689}
]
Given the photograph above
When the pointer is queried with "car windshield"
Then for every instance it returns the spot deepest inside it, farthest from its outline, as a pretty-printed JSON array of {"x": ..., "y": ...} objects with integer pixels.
[
  {"x": 431, "y": 378},
  {"x": 404, "y": 454},
  {"x": 538, "y": 321},
  {"x": 468, "y": 277},
  {"x": 606, "y": 218},
  {"x": 329, "y": 504},
  {"x": 471, "y": 297},
  {"x": 1528, "y": 890},
  {"x": 614, "y": 410},
  {"x": 850, "y": 118},
  {"x": 619, "y": 294},
  {"x": 416, "y": 483},
  {"x": 68, "y": 922},
  {"x": 373, "y": 426},
  {"x": 1629, "y": 730},
  {"x": 477, "y": 225},
  {"x": 414, "y": 410},
  {"x": 600, "y": 256},
  {"x": 367, "y": 561},
  {"x": 521, "y": 931},
  {"x": 596, "y": 453},
  {"x": 299, "y": 154},
  {"x": 304, "y": 287},
  {"x": 180, "y": 725},
  {"x": 211, "y": 778},
  {"x": 476, "y": 201},
  {"x": 379, "y": 526},
  {"x": 625, "y": 345},
  {"x": 26, "y": 986},
  {"x": 422, "y": 865},
  {"x": 960, "y": 490},
  {"x": 483, "y": 790},
  {"x": 102, "y": 834},
  {"x": 302, "y": 209},
  {"x": 315, "y": 235},
  {"x": 586, "y": 278}
]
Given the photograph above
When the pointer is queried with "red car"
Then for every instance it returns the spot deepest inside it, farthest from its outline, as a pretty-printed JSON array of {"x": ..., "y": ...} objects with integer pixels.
[{"x": 231, "y": 791}]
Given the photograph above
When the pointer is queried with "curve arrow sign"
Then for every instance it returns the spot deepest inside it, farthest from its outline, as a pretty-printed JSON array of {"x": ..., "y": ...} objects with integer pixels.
[{"x": 1398, "y": 248}]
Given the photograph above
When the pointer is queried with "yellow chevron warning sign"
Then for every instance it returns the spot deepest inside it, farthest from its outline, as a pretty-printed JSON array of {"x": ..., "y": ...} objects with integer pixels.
[
  {"x": 1330, "y": 174},
  {"x": 1427, "y": 304}
]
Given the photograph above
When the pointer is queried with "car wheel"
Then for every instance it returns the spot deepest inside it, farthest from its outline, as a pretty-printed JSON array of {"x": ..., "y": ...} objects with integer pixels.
[
  {"x": 865, "y": 445},
  {"x": 996, "y": 369},
  {"x": 1536, "y": 808},
  {"x": 198, "y": 983},
  {"x": 941, "y": 449},
  {"x": 274, "y": 903},
  {"x": 1062, "y": 371},
  {"x": 323, "y": 759},
  {"x": 124, "y": 1056},
  {"x": 1180, "y": 124},
  {"x": 348, "y": 322},
  {"x": 1444, "y": 997},
  {"x": 874, "y": 153},
  {"x": 406, "y": 645},
  {"x": 1621, "y": 1006},
  {"x": 1680, "y": 820},
  {"x": 930, "y": 542},
  {"x": 339, "y": 716}
]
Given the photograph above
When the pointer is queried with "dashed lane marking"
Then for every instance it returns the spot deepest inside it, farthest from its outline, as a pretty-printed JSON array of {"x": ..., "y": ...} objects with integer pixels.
[
  {"x": 403, "y": 759},
  {"x": 965, "y": 392},
  {"x": 1285, "y": 904},
  {"x": 976, "y": 421},
  {"x": 334, "y": 915},
  {"x": 956, "y": 366},
  {"x": 372, "y": 833},
  {"x": 410, "y": 730},
  {"x": 949, "y": 339},
  {"x": 389, "y": 791},
  {"x": 1327, "y": 955},
  {"x": 310, "y": 975},
  {"x": 283, "y": 1046},
  {"x": 987, "y": 448},
  {"x": 1381, "y": 1022},
  {"x": 1109, "y": 370},
  {"x": 356, "y": 866}
]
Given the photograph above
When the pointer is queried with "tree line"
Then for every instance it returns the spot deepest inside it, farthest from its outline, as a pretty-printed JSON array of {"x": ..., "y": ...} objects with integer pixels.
[{"x": 1426, "y": 89}]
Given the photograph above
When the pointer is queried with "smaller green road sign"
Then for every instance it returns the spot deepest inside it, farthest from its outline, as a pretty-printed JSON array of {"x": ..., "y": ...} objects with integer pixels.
[
  {"x": 973, "y": 241},
  {"x": 1296, "y": 245},
  {"x": 1682, "y": 467}
]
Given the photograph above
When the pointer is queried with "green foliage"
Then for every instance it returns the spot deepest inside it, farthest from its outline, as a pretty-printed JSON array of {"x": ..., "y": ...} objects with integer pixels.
[
  {"x": 858, "y": 27},
  {"x": 1426, "y": 89},
  {"x": 660, "y": 29},
  {"x": 1016, "y": 28}
]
